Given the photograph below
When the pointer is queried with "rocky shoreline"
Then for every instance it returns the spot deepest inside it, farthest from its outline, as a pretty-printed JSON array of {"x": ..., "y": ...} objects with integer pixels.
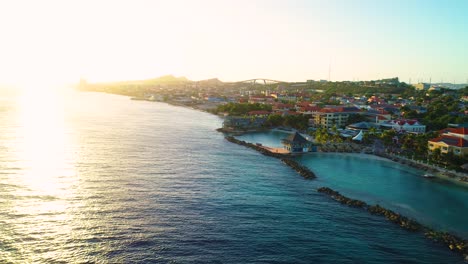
[
  {"x": 453, "y": 242},
  {"x": 302, "y": 170}
]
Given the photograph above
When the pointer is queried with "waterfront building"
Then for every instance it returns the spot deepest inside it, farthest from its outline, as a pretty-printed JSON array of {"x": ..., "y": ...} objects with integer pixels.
[
  {"x": 453, "y": 140},
  {"x": 295, "y": 143}
]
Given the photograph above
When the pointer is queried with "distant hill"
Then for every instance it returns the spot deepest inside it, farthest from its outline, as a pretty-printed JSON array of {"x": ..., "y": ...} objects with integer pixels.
[
  {"x": 163, "y": 80},
  {"x": 166, "y": 79},
  {"x": 211, "y": 82},
  {"x": 451, "y": 85},
  {"x": 138, "y": 87}
]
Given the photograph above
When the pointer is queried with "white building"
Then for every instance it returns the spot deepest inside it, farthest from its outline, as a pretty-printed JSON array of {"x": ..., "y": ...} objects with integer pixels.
[{"x": 412, "y": 126}]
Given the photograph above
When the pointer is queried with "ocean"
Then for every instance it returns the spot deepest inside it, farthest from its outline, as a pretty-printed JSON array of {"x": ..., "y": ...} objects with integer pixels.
[{"x": 99, "y": 178}]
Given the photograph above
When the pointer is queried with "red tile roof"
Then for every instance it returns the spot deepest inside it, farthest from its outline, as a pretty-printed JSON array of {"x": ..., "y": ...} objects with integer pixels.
[
  {"x": 461, "y": 130},
  {"x": 339, "y": 109},
  {"x": 452, "y": 141},
  {"x": 282, "y": 106},
  {"x": 402, "y": 122},
  {"x": 310, "y": 109},
  {"x": 303, "y": 104},
  {"x": 446, "y": 130}
]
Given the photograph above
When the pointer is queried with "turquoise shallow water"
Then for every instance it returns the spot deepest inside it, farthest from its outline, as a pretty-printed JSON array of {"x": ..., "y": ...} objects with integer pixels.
[
  {"x": 127, "y": 181},
  {"x": 437, "y": 203}
]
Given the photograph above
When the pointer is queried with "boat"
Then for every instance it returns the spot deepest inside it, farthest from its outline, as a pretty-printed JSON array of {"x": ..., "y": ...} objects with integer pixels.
[{"x": 428, "y": 176}]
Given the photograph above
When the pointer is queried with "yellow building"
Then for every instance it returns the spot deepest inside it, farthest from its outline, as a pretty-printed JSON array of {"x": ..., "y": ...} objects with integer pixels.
[
  {"x": 333, "y": 116},
  {"x": 451, "y": 140},
  {"x": 421, "y": 86}
]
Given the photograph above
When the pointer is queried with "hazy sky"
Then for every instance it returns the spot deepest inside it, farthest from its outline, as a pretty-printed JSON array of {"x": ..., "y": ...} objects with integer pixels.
[{"x": 233, "y": 40}]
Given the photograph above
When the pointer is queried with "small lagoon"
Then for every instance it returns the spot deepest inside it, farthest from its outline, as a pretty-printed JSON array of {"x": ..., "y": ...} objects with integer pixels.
[{"x": 434, "y": 202}]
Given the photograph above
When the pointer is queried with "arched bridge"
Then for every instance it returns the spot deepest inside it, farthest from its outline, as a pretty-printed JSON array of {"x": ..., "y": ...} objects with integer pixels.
[{"x": 260, "y": 80}]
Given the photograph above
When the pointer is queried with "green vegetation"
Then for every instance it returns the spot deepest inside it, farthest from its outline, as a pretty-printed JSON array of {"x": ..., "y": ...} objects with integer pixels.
[
  {"x": 323, "y": 135},
  {"x": 299, "y": 122},
  {"x": 443, "y": 107},
  {"x": 415, "y": 146},
  {"x": 358, "y": 88},
  {"x": 239, "y": 109},
  {"x": 442, "y": 111}
]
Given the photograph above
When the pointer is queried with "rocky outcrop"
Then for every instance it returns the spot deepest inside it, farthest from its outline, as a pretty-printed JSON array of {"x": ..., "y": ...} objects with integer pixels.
[{"x": 453, "y": 242}]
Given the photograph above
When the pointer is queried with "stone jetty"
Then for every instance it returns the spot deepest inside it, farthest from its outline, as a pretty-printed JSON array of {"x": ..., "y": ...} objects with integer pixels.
[
  {"x": 403, "y": 221},
  {"x": 302, "y": 170},
  {"x": 453, "y": 242},
  {"x": 342, "y": 199}
]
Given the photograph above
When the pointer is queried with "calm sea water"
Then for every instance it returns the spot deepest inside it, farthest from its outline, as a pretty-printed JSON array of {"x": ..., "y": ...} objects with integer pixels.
[{"x": 101, "y": 178}]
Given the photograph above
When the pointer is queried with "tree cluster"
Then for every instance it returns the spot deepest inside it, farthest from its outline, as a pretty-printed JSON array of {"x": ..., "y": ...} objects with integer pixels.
[
  {"x": 299, "y": 122},
  {"x": 240, "y": 109}
]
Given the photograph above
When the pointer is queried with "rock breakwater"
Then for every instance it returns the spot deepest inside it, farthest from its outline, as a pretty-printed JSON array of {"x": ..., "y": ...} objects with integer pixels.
[
  {"x": 453, "y": 242},
  {"x": 302, "y": 170},
  {"x": 342, "y": 199}
]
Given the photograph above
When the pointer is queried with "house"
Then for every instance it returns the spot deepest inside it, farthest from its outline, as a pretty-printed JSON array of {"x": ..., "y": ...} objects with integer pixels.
[
  {"x": 331, "y": 115},
  {"x": 453, "y": 140},
  {"x": 295, "y": 143},
  {"x": 404, "y": 125}
]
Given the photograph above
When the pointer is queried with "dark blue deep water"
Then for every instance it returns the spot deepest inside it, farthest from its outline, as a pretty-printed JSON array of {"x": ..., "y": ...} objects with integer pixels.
[{"x": 101, "y": 178}]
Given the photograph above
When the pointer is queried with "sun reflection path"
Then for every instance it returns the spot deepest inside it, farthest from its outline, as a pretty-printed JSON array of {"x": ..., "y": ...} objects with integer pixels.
[
  {"x": 43, "y": 145},
  {"x": 42, "y": 154}
]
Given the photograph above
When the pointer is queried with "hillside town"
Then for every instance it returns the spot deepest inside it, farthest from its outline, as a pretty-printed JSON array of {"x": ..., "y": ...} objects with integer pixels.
[{"x": 422, "y": 122}]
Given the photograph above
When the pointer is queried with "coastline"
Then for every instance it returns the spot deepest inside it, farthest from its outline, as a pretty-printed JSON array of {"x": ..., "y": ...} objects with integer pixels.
[
  {"x": 455, "y": 177},
  {"x": 453, "y": 242},
  {"x": 460, "y": 178}
]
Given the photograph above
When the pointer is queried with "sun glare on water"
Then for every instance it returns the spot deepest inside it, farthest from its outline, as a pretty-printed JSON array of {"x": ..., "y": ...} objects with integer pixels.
[{"x": 43, "y": 141}]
